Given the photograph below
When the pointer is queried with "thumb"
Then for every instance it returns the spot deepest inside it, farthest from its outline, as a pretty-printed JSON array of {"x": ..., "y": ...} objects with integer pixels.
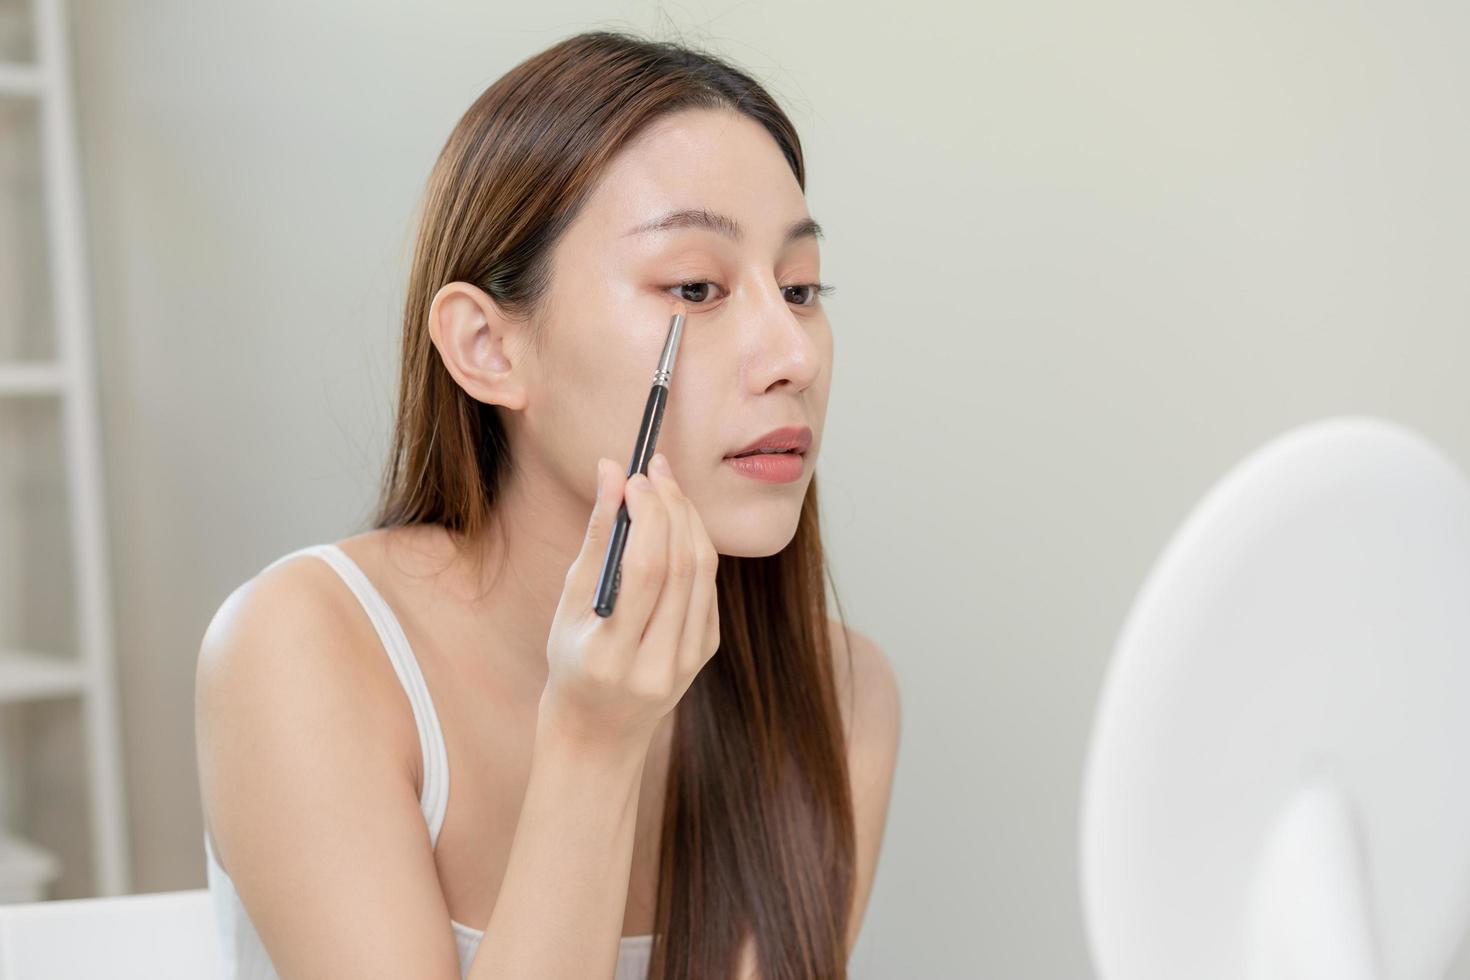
[{"x": 588, "y": 565}]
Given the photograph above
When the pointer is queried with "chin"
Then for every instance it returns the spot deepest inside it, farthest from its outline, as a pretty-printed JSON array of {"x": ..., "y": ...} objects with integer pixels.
[{"x": 756, "y": 531}]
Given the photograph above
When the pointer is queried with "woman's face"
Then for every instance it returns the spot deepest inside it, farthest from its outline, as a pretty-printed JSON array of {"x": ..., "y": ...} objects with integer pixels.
[{"x": 756, "y": 351}]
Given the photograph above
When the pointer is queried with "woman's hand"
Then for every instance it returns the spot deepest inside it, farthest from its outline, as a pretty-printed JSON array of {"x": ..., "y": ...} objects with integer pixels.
[{"x": 612, "y": 680}]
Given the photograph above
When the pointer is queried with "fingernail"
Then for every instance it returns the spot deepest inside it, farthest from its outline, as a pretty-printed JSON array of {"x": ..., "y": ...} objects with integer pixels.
[
  {"x": 661, "y": 462},
  {"x": 601, "y": 476}
]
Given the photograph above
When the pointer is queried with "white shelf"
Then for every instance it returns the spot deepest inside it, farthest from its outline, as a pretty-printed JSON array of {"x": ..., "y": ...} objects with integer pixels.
[
  {"x": 20, "y": 79},
  {"x": 30, "y": 676},
  {"x": 41, "y": 378}
]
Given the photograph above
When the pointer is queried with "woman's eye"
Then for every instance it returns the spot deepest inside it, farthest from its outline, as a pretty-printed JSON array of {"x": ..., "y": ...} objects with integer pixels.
[
  {"x": 802, "y": 294},
  {"x": 812, "y": 291},
  {"x": 701, "y": 294}
]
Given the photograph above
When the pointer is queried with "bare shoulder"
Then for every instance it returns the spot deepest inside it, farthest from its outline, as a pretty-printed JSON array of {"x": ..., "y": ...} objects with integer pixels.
[
  {"x": 866, "y": 683},
  {"x": 293, "y": 642},
  {"x": 309, "y": 800},
  {"x": 866, "y": 680},
  {"x": 295, "y": 631}
]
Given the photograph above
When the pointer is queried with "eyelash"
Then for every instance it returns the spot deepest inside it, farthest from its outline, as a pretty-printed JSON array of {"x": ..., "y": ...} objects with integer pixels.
[{"x": 819, "y": 289}]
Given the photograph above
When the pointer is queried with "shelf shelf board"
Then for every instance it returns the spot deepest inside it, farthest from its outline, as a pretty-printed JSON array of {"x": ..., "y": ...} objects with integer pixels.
[
  {"x": 29, "y": 676},
  {"x": 39, "y": 378},
  {"x": 20, "y": 79}
]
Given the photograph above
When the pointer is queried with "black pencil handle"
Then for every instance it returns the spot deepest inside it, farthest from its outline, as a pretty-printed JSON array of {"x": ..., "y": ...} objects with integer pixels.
[{"x": 611, "y": 577}]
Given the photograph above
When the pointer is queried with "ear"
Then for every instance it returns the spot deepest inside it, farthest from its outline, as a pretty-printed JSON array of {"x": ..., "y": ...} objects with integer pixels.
[{"x": 481, "y": 346}]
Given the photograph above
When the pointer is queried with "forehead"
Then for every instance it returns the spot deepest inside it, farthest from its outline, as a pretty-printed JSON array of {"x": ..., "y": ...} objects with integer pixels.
[{"x": 716, "y": 160}]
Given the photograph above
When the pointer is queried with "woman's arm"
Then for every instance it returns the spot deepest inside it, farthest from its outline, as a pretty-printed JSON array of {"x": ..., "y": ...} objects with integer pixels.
[
  {"x": 559, "y": 913},
  {"x": 612, "y": 682},
  {"x": 307, "y": 757}
]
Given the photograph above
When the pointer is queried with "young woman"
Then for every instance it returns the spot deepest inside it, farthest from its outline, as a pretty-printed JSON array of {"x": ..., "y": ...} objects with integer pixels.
[{"x": 694, "y": 787}]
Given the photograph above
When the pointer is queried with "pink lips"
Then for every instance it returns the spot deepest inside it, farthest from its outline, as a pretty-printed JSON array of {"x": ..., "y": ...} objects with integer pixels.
[
  {"x": 775, "y": 467},
  {"x": 794, "y": 437},
  {"x": 771, "y": 467}
]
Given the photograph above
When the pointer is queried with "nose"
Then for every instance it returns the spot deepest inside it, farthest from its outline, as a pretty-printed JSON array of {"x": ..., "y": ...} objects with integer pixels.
[{"x": 783, "y": 344}]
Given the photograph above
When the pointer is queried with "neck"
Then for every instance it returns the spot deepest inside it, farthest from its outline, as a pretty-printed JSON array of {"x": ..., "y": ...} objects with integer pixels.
[{"x": 510, "y": 575}]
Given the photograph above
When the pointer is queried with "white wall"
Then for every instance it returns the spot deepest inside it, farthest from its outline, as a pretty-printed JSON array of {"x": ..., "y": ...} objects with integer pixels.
[{"x": 1087, "y": 256}]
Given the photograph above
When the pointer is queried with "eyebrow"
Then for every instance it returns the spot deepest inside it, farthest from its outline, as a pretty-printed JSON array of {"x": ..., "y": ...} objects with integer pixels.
[{"x": 720, "y": 224}]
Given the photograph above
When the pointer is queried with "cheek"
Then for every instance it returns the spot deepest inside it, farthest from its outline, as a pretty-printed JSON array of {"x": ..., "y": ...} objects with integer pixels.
[
  {"x": 825, "y": 345},
  {"x": 590, "y": 400},
  {"x": 692, "y": 433},
  {"x": 596, "y": 362}
]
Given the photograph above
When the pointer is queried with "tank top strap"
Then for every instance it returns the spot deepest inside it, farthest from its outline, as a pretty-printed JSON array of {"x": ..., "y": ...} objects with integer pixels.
[{"x": 434, "y": 798}]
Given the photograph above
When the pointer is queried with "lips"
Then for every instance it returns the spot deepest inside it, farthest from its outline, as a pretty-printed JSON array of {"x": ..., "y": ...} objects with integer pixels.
[{"x": 791, "y": 438}]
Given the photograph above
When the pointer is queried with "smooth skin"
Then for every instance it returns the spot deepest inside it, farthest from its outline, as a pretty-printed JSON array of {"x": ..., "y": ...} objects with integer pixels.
[{"x": 557, "y": 735}]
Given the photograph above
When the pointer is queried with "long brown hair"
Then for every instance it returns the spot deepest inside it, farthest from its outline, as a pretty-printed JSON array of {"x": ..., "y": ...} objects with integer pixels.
[{"x": 757, "y": 833}]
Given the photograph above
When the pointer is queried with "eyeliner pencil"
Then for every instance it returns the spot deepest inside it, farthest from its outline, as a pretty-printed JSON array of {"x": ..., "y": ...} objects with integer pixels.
[{"x": 611, "y": 576}]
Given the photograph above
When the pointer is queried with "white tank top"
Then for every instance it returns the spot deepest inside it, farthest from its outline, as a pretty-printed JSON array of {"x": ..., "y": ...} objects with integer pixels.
[{"x": 244, "y": 954}]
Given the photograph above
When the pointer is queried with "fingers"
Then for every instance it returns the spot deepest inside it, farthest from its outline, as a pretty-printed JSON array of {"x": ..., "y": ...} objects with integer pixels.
[
  {"x": 581, "y": 578},
  {"x": 644, "y": 559},
  {"x": 667, "y": 609}
]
